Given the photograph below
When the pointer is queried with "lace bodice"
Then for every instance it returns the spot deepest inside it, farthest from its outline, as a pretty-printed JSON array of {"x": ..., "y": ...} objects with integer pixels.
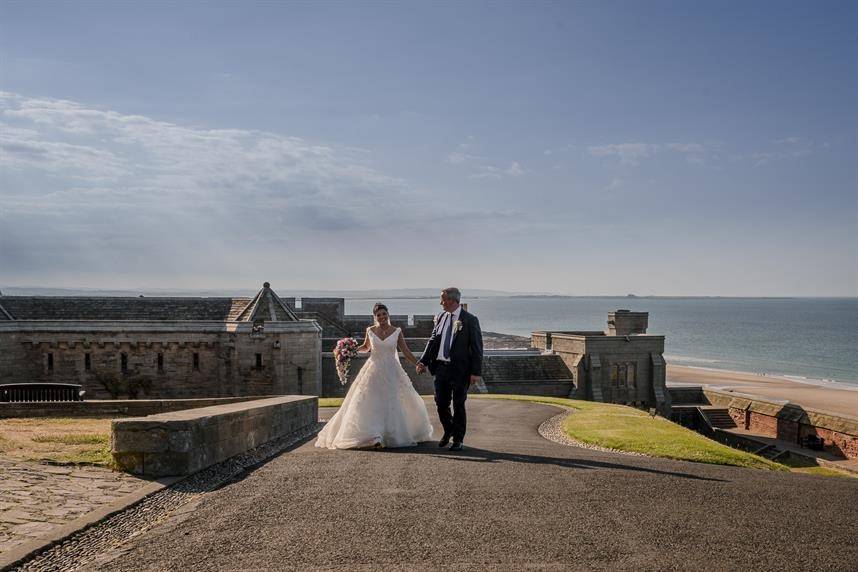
[{"x": 386, "y": 348}]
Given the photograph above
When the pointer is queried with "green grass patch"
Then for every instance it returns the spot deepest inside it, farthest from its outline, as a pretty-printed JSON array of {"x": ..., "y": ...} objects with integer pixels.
[
  {"x": 628, "y": 429},
  {"x": 85, "y": 439},
  {"x": 96, "y": 456},
  {"x": 78, "y": 449},
  {"x": 823, "y": 472},
  {"x": 330, "y": 401},
  {"x": 809, "y": 466}
]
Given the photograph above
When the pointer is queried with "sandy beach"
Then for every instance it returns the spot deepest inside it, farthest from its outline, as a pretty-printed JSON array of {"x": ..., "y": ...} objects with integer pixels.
[{"x": 827, "y": 397}]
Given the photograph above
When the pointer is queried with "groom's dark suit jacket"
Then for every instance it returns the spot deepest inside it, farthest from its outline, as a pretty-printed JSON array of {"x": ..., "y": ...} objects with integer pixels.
[{"x": 466, "y": 351}]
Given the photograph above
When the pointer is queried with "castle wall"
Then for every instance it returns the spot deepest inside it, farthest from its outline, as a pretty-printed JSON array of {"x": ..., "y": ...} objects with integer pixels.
[
  {"x": 613, "y": 369},
  {"x": 121, "y": 360},
  {"x": 523, "y": 374},
  {"x": 789, "y": 421}
]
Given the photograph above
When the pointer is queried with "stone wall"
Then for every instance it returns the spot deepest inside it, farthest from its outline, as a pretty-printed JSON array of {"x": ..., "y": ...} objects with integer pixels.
[
  {"x": 184, "y": 442},
  {"x": 110, "y": 407},
  {"x": 523, "y": 374},
  {"x": 114, "y": 360},
  {"x": 611, "y": 369},
  {"x": 789, "y": 421}
]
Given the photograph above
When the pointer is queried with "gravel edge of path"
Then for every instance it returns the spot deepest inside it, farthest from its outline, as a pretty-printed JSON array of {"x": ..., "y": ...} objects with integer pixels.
[
  {"x": 552, "y": 429},
  {"x": 84, "y": 547}
]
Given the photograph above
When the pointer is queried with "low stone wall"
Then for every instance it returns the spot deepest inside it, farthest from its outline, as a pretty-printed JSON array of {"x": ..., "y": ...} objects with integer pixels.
[
  {"x": 510, "y": 373},
  {"x": 110, "y": 407},
  {"x": 184, "y": 442},
  {"x": 789, "y": 421},
  {"x": 686, "y": 395}
]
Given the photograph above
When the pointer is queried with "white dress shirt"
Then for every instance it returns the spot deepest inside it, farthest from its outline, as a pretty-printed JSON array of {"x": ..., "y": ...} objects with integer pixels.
[{"x": 443, "y": 325}]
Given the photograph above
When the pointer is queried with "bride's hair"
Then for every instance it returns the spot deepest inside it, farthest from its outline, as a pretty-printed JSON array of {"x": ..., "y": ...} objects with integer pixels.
[{"x": 379, "y": 306}]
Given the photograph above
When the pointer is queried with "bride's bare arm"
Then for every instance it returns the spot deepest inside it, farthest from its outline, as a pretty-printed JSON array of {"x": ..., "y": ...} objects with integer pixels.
[
  {"x": 403, "y": 347},
  {"x": 366, "y": 344}
]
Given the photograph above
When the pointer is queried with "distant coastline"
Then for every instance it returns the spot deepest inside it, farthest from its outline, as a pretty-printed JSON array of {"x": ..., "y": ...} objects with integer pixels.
[{"x": 369, "y": 294}]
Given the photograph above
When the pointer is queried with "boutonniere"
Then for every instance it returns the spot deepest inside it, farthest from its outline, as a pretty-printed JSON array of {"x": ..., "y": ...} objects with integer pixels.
[{"x": 457, "y": 326}]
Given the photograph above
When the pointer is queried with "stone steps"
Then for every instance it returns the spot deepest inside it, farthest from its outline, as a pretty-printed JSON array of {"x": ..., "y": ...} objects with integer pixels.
[
  {"x": 719, "y": 418},
  {"x": 770, "y": 452}
]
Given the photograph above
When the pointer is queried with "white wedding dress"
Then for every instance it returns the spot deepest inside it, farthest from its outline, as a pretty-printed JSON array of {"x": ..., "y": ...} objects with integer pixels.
[{"x": 381, "y": 406}]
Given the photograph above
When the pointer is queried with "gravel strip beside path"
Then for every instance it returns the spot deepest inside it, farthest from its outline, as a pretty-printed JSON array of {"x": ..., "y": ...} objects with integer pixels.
[{"x": 552, "y": 429}]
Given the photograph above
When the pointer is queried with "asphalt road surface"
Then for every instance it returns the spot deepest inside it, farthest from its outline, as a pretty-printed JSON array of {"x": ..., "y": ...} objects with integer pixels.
[{"x": 511, "y": 500}]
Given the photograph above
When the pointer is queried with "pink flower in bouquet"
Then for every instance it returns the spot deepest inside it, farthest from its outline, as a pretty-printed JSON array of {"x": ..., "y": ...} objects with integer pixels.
[{"x": 344, "y": 351}]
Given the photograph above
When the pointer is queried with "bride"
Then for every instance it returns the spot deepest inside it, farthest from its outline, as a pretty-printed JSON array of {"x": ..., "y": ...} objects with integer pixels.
[{"x": 381, "y": 408}]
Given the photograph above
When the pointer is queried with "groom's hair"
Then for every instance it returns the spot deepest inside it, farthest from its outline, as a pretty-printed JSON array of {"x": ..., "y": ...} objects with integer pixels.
[{"x": 452, "y": 294}]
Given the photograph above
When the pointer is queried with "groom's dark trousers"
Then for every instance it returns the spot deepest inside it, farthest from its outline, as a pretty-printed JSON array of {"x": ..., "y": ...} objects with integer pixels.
[{"x": 451, "y": 385}]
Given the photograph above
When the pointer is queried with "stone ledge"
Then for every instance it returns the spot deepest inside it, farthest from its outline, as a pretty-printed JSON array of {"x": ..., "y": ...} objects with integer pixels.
[
  {"x": 118, "y": 407},
  {"x": 784, "y": 410},
  {"x": 184, "y": 442}
]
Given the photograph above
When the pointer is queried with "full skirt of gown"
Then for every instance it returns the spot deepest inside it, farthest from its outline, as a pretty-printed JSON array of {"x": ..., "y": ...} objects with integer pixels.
[{"x": 381, "y": 407}]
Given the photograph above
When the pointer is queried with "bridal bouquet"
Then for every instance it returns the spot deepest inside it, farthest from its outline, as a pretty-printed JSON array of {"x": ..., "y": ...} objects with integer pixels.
[{"x": 344, "y": 351}]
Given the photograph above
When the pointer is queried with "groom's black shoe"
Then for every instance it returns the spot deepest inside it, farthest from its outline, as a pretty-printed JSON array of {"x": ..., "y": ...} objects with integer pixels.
[
  {"x": 456, "y": 446},
  {"x": 445, "y": 440}
]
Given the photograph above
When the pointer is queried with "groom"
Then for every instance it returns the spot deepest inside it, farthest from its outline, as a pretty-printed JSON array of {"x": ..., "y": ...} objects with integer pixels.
[{"x": 454, "y": 355}]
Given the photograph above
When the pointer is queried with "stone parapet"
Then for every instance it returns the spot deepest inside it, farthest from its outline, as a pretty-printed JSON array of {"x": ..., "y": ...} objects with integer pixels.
[
  {"x": 523, "y": 373},
  {"x": 789, "y": 421},
  {"x": 110, "y": 407},
  {"x": 184, "y": 442},
  {"x": 159, "y": 326}
]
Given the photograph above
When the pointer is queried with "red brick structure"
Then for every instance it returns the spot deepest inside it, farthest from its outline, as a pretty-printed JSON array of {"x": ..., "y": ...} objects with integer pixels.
[{"x": 789, "y": 421}]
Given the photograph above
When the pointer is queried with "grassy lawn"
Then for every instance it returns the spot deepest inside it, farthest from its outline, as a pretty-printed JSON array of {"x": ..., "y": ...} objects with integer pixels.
[
  {"x": 798, "y": 464},
  {"x": 629, "y": 429},
  {"x": 56, "y": 440}
]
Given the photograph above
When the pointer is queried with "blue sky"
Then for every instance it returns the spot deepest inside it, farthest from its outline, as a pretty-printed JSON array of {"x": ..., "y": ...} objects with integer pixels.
[{"x": 668, "y": 148}]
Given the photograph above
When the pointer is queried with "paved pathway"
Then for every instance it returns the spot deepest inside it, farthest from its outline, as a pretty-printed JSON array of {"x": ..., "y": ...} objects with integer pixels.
[
  {"x": 35, "y": 499},
  {"x": 511, "y": 500}
]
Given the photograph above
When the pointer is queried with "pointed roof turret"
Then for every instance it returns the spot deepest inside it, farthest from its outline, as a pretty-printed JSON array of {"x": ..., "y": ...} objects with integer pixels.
[{"x": 267, "y": 306}]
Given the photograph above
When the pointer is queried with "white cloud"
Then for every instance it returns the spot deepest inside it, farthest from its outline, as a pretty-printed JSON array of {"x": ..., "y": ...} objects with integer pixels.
[
  {"x": 487, "y": 172},
  {"x": 484, "y": 170},
  {"x": 761, "y": 159},
  {"x": 24, "y": 148},
  {"x": 632, "y": 153},
  {"x": 514, "y": 169},
  {"x": 458, "y": 158},
  {"x": 129, "y": 195},
  {"x": 792, "y": 141},
  {"x": 491, "y": 172},
  {"x": 629, "y": 153},
  {"x": 787, "y": 148},
  {"x": 66, "y": 138}
]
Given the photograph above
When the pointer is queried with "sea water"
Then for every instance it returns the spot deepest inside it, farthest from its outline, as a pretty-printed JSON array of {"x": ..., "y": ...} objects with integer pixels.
[{"x": 805, "y": 338}]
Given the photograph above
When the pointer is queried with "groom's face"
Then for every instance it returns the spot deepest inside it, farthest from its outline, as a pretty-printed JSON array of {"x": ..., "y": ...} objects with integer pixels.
[{"x": 448, "y": 303}]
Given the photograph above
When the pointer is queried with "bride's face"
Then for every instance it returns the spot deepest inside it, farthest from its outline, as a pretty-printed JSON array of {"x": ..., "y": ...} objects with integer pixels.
[{"x": 382, "y": 317}]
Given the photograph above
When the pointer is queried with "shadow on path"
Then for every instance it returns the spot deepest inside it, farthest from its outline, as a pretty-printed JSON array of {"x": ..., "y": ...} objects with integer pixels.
[{"x": 474, "y": 455}]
